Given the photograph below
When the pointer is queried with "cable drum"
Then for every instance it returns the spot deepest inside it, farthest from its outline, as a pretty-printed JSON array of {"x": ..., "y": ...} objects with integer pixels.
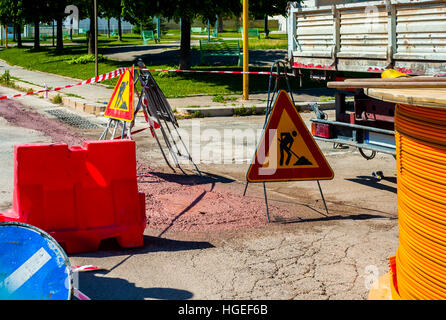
[{"x": 419, "y": 269}]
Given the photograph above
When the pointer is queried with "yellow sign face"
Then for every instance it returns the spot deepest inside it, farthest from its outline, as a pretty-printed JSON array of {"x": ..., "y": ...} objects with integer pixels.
[{"x": 120, "y": 105}]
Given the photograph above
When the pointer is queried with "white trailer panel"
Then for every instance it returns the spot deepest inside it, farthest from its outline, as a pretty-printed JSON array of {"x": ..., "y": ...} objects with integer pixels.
[{"x": 370, "y": 36}]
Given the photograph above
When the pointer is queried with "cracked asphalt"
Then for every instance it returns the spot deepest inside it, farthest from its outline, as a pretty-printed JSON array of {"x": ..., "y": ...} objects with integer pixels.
[{"x": 312, "y": 255}]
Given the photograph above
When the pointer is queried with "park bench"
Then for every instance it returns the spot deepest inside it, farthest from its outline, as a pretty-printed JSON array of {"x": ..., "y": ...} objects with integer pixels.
[
  {"x": 198, "y": 30},
  {"x": 253, "y": 32},
  {"x": 220, "y": 48},
  {"x": 148, "y": 35}
]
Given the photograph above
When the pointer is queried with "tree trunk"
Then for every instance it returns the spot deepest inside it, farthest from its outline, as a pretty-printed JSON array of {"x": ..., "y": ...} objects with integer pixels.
[
  {"x": 220, "y": 24},
  {"x": 59, "y": 33},
  {"x": 266, "y": 26},
  {"x": 108, "y": 28},
  {"x": 185, "y": 44},
  {"x": 91, "y": 35},
  {"x": 19, "y": 35},
  {"x": 36, "y": 35},
  {"x": 119, "y": 29}
]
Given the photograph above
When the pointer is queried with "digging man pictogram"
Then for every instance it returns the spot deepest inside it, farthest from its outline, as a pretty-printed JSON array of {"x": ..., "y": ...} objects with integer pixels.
[
  {"x": 119, "y": 97},
  {"x": 286, "y": 141}
]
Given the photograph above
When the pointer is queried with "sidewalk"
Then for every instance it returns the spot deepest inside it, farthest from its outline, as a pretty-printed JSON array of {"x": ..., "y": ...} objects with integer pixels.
[
  {"x": 93, "y": 98},
  {"x": 88, "y": 98}
]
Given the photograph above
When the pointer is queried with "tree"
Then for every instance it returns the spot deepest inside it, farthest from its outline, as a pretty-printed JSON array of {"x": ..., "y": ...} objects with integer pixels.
[
  {"x": 36, "y": 12},
  {"x": 112, "y": 9},
  {"x": 58, "y": 14},
  {"x": 11, "y": 12},
  {"x": 86, "y": 10},
  {"x": 181, "y": 10},
  {"x": 261, "y": 9}
]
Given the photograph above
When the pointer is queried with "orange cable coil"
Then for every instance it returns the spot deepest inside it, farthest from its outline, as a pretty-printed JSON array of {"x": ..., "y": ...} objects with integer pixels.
[{"x": 420, "y": 136}]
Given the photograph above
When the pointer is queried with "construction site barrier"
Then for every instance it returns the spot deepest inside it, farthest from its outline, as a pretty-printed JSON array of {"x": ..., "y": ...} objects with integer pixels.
[
  {"x": 419, "y": 266},
  {"x": 79, "y": 195}
]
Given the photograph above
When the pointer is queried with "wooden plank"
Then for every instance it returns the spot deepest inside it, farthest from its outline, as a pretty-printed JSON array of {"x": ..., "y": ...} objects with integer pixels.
[
  {"x": 386, "y": 84},
  {"x": 431, "y": 98},
  {"x": 401, "y": 79}
]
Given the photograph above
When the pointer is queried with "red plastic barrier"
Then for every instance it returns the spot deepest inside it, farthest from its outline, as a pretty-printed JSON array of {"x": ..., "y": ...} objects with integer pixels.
[{"x": 79, "y": 195}]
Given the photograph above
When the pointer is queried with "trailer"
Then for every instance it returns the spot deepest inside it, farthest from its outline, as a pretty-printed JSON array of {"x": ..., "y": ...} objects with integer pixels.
[
  {"x": 329, "y": 38},
  {"x": 369, "y": 36}
]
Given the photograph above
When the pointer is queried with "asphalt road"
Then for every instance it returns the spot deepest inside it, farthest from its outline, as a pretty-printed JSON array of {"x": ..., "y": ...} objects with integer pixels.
[{"x": 308, "y": 255}]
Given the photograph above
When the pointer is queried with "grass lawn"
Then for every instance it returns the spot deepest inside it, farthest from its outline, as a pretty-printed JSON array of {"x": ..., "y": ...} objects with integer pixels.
[
  {"x": 47, "y": 59},
  {"x": 274, "y": 41}
]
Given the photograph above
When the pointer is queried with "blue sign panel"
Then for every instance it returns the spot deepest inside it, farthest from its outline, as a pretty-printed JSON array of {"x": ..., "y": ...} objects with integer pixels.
[{"x": 33, "y": 266}]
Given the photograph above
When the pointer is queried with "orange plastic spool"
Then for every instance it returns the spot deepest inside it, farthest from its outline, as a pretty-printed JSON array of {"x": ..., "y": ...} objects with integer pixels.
[{"x": 419, "y": 267}]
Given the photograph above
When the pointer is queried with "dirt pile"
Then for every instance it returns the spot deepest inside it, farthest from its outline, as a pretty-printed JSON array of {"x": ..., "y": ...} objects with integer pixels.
[{"x": 195, "y": 204}]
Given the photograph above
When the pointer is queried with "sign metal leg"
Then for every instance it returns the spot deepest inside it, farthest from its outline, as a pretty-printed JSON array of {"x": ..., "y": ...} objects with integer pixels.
[
  {"x": 322, "y": 195},
  {"x": 246, "y": 188},
  {"x": 266, "y": 202}
]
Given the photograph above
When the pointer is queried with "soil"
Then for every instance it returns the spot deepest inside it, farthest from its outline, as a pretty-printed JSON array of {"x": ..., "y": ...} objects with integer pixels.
[{"x": 174, "y": 202}]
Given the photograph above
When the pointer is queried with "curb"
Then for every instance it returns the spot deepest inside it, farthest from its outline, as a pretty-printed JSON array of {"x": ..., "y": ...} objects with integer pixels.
[
  {"x": 219, "y": 111},
  {"x": 98, "y": 109}
]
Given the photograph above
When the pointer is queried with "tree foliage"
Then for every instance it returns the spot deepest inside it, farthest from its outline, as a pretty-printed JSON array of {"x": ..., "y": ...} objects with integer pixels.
[{"x": 260, "y": 8}]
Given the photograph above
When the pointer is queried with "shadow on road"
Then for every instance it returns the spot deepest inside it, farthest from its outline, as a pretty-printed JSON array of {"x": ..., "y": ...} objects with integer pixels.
[
  {"x": 192, "y": 179},
  {"x": 97, "y": 287},
  {"x": 334, "y": 218},
  {"x": 372, "y": 182},
  {"x": 110, "y": 247}
]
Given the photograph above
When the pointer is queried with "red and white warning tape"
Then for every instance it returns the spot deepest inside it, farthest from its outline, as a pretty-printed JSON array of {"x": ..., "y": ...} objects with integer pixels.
[
  {"x": 85, "y": 268},
  {"x": 103, "y": 77},
  {"x": 215, "y": 71},
  {"x": 118, "y": 72}
]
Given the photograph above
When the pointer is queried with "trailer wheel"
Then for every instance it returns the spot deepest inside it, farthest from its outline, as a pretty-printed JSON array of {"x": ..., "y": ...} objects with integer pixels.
[{"x": 367, "y": 157}]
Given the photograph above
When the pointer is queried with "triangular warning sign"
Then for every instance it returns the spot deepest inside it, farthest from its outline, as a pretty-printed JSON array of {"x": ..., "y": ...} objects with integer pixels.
[
  {"x": 120, "y": 105},
  {"x": 287, "y": 150}
]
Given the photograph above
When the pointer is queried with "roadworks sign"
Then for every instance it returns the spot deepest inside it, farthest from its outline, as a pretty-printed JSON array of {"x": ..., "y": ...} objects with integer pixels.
[
  {"x": 287, "y": 150},
  {"x": 120, "y": 106}
]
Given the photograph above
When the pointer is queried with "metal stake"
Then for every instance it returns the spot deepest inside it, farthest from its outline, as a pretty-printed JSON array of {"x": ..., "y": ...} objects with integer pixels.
[
  {"x": 323, "y": 199},
  {"x": 246, "y": 188},
  {"x": 104, "y": 134},
  {"x": 266, "y": 202}
]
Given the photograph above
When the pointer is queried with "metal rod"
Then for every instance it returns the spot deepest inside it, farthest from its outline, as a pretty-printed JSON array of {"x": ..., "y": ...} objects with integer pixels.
[
  {"x": 114, "y": 129},
  {"x": 105, "y": 132},
  {"x": 124, "y": 125},
  {"x": 245, "y": 50},
  {"x": 190, "y": 157},
  {"x": 266, "y": 202},
  {"x": 322, "y": 195},
  {"x": 96, "y": 37},
  {"x": 246, "y": 188}
]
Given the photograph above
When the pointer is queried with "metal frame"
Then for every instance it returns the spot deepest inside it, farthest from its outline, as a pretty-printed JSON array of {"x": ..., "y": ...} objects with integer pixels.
[
  {"x": 272, "y": 93},
  {"x": 159, "y": 108}
]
